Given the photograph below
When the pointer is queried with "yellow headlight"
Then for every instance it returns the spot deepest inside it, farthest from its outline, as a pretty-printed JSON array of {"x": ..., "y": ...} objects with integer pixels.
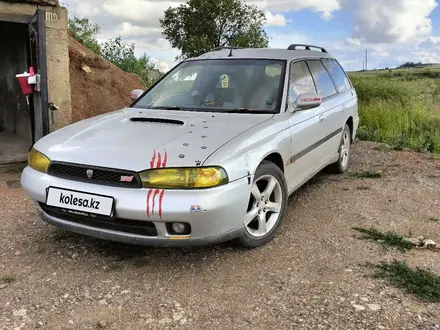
[
  {"x": 38, "y": 161},
  {"x": 184, "y": 178}
]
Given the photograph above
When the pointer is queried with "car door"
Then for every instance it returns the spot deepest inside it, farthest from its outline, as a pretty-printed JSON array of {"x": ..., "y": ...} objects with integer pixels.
[
  {"x": 304, "y": 126},
  {"x": 345, "y": 89},
  {"x": 329, "y": 130}
]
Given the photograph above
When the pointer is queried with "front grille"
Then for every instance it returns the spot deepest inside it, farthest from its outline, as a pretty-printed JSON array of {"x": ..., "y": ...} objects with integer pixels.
[
  {"x": 144, "y": 228},
  {"x": 101, "y": 175}
]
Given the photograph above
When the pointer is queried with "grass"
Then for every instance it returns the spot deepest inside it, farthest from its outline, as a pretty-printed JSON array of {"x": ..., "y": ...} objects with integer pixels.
[
  {"x": 386, "y": 238},
  {"x": 13, "y": 168},
  {"x": 400, "y": 108},
  {"x": 366, "y": 175},
  {"x": 7, "y": 279},
  {"x": 420, "y": 282}
]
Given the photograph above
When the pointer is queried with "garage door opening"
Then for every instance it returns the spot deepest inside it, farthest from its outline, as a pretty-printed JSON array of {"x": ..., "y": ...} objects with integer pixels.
[
  {"x": 21, "y": 123},
  {"x": 15, "y": 113}
]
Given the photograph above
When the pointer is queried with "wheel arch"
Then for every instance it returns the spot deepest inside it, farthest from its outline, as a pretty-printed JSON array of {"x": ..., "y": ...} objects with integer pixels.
[
  {"x": 350, "y": 124},
  {"x": 276, "y": 159}
]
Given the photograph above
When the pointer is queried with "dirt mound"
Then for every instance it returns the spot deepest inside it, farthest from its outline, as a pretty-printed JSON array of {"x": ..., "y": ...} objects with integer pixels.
[
  {"x": 101, "y": 89},
  {"x": 38, "y": 2}
]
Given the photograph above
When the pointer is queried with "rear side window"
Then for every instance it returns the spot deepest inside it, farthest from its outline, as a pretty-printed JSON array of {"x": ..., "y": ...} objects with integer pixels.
[
  {"x": 338, "y": 75},
  {"x": 324, "y": 83},
  {"x": 300, "y": 80}
]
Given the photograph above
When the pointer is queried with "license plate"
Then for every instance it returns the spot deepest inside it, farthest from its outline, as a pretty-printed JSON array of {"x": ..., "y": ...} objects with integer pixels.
[{"x": 80, "y": 201}]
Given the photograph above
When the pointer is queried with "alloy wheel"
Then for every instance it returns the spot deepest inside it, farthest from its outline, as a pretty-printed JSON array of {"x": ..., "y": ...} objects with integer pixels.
[
  {"x": 345, "y": 149},
  {"x": 265, "y": 205}
]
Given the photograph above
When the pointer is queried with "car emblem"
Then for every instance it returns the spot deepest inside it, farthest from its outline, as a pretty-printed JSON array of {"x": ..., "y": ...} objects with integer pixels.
[
  {"x": 127, "y": 178},
  {"x": 89, "y": 174}
]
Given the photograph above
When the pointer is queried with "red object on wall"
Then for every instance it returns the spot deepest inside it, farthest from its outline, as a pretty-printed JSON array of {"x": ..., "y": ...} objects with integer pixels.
[{"x": 26, "y": 88}]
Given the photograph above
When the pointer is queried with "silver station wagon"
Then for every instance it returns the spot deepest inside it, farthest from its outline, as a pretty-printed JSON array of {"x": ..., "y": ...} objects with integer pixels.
[{"x": 208, "y": 154}]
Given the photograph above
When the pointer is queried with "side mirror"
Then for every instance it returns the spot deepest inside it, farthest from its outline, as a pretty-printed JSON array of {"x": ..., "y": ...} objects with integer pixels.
[
  {"x": 135, "y": 94},
  {"x": 307, "y": 101}
]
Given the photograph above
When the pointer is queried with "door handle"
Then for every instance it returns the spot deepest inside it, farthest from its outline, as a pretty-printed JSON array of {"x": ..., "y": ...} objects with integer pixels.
[
  {"x": 344, "y": 107},
  {"x": 321, "y": 118}
]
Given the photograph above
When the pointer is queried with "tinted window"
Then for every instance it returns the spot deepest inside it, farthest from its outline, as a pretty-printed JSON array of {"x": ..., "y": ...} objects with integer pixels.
[
  {"x": 338, "y": 75},
  {"x": 300, "y": 80},
  {"x": 323, "y": 82}
]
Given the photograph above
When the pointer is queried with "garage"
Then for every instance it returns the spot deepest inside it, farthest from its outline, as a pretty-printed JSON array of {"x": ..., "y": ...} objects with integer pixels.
[
  {"x": 33, "y": 42},
  {"x": 22, "y": 119}
]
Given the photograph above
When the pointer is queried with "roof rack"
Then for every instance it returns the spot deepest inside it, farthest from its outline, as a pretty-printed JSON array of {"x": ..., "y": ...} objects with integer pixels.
[
  {"x": 226, "y": 47},
  {"x": 307, "y": 47}
]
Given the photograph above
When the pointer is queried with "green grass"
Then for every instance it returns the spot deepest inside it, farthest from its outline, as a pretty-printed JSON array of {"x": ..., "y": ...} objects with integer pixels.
[
  {"x": 420, "y": 282},
  {"x": 386, "y": 238},
  {"x": 7, "y": 279},
  {"x": 401, "y": 108},
  {"x": 13, "y": 168},
  {"x": 366, "y": 175}
]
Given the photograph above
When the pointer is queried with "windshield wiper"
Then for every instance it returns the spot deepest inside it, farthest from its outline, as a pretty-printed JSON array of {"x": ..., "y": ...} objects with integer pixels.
[
  {"x": 243, "y": 110},
  {"x": 173, "y": 107}
]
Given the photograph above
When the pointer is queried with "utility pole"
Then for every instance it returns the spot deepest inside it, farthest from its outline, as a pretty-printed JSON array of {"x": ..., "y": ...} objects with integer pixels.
[{"x": 366, "y": 58}]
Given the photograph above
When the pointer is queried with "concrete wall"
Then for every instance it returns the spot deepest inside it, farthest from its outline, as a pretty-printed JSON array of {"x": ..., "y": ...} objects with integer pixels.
[
  {"x": 57, "y": 57},
  {"x": 15, "y": 114}
]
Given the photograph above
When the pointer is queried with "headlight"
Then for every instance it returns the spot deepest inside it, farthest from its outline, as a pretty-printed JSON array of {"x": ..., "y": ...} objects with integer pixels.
[
  {"x": 184, "y": 178},
  {"x": 38, "y": 161}
]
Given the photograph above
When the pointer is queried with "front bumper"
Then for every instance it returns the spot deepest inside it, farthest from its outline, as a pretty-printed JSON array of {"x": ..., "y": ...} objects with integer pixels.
[{"x": 219, "y": 219}]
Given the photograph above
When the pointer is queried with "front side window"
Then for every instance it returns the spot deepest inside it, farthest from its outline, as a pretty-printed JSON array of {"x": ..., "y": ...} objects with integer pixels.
[
  {"x": 219, "y": 85},
  {"x": 338, "y": 74},
  {"x": 300, "y": 80},
  {"x": 324, "y": 83}
]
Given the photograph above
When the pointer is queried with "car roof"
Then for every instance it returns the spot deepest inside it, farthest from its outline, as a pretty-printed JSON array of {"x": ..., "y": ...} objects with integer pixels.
[{"x": 263, "y": 53}]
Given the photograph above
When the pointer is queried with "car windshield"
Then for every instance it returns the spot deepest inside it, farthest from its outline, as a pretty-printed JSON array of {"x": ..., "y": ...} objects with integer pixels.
[{"x": 219, "y": 85}]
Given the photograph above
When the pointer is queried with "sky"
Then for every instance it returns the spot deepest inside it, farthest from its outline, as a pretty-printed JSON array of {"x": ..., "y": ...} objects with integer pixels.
[{"x": 394, "y": 31}]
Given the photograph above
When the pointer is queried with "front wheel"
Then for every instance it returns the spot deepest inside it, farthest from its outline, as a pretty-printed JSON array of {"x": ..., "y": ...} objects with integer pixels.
[{"x": 266, "y": 207}]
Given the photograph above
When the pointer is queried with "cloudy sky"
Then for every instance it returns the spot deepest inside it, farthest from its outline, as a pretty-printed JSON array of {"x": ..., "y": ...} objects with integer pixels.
[{"x": 395, "y": 31}]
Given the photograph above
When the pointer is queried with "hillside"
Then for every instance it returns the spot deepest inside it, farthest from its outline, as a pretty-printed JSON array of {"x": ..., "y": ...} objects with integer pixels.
[
  {"x": 97, "y": 86},
  {"x": 37, "y": 2}
]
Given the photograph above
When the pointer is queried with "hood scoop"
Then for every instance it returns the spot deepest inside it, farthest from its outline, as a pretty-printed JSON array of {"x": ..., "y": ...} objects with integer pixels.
[{"x": 156, "y": 121}]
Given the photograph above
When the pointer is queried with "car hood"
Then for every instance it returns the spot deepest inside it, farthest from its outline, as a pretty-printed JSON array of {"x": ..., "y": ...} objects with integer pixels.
[{"x": 138, "y": 139}]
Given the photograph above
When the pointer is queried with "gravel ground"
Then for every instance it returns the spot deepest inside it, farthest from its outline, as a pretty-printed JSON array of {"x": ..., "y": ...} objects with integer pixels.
[{"x": 309, "y": 277}]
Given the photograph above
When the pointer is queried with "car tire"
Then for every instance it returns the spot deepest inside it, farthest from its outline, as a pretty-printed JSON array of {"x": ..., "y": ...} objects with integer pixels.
[
  {"x": 266, "y": 209},
  {"x": 343, "y": 162}
]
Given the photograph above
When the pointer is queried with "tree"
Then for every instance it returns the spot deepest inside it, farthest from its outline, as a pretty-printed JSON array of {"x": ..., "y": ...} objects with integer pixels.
[
  {"x": 124, "y": 57},
  {"x": 409, "y": 65},
  {"x": 201, "y": 25},
  {"x": 85, "y": 32}
]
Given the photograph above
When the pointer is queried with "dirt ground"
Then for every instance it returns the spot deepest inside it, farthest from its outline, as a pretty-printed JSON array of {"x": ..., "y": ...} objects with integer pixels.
[{"x": 310, "y": 277}]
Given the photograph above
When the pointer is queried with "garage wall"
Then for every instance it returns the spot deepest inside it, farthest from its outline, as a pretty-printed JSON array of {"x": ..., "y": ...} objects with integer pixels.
[
  {"x": 58, "y": 66},
  {"x": 15, "y": 114},
  {"x": 57, "y": 57}
]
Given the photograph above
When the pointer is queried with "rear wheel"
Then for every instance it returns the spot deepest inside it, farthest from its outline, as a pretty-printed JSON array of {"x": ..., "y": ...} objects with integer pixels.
[
  {"x": 344, "y": 153},
  {"x": 266, "y": 207}
]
